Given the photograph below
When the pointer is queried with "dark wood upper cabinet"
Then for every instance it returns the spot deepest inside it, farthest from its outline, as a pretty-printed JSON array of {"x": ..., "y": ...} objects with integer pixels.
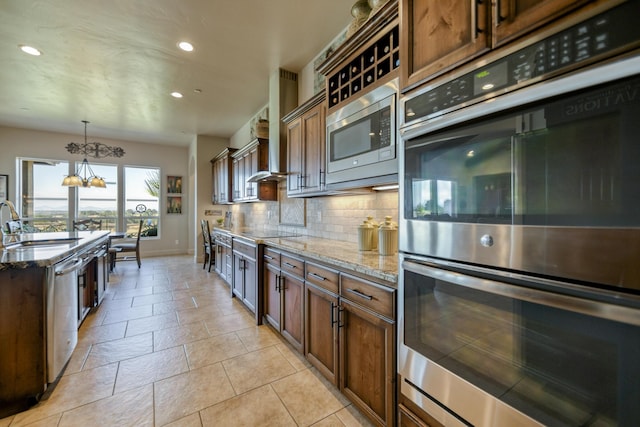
[
  {"x": 247, "y": 161},
  {"x": 437, "y": 35},
  {"x": 306, "y": 148},
  {"x": 222, "y": 170}
]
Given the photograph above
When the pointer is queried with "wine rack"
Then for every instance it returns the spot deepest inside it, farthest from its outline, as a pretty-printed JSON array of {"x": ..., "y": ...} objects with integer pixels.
[{"x": 380, "y": 58}]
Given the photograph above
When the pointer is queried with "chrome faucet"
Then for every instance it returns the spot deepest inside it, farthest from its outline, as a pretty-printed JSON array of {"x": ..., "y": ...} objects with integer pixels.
[{"x": 9, "y": 233}]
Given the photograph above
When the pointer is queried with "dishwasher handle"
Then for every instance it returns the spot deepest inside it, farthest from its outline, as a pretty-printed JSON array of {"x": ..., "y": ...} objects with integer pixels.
[{"x": 66, "y": 268}]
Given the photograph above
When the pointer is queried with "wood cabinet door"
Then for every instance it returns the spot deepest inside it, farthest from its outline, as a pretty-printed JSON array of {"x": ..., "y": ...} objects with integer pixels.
[
  {"x": 271, "y": 295},
  {"x": 513, "y": 18},
  {"x": 250, "y": 282},
  {"x": 367, "y": 362},
  {"x": 321, "y": 331},
  {"x": 292, "y": 326},
  {"x": 313, "y": 129},
  {"x": 237, "y": 278},
  {"x": 238, "y": 174},
  {"x": 219, "y": 260},
  {"x": 294, "y": 156},
  {"x": 228, "y": 269},
  {"x": 438, "y": 35},
  {"x": 250, "y": 167}
]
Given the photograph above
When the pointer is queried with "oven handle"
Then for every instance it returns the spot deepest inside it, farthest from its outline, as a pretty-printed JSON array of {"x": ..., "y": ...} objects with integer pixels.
[{"x": 599, "y": 309}]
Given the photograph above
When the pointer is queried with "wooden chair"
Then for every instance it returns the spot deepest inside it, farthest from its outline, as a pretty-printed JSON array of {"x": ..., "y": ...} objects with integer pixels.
[
  {"x": 209, "y": 250},
  {"x": 87, "y": 224},
  {"x": 121, "y": 248}
]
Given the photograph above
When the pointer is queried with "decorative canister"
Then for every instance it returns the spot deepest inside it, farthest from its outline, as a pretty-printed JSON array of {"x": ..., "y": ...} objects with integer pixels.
[
  {"x": 360, "y": 12},
  {"x": 365, "y": 236},
  {"x": 388, "y": 237},
  {"x": 375, "y": 5},
  {"x": 375, "y": 225}
]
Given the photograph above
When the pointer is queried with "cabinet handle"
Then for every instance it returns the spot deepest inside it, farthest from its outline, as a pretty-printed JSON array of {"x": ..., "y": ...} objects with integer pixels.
[
  {"x": 268, "y": 257},
  {"x": 316, "y": 276},
  {"x": 333, "y": 319},
  {"x": 360, "y": 294},
  {"x": 289, "y": 265},
  {"x": 499, "y": 15},
  {"x": 278, "y": 282},
  {"x": 477, "y": 22},
  {"x": 320, "y": 179}
]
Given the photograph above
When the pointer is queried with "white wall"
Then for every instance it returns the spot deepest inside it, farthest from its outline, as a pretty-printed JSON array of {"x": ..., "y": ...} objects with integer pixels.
[
  {"x": 170, "y": 159},
  {"x": 201, "y": 151}
]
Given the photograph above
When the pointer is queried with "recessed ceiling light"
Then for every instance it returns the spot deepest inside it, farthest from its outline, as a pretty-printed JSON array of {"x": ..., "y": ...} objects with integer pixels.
[
  {"x": 30, "y": 50},
  {"x": 176, "y": 94},
  {"x": 186, "y": 46}
]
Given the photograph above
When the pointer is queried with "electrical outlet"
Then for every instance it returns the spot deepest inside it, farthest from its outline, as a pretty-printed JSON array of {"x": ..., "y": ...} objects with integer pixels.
[
  {"x": 177, "y": 242},
  {"x": 319, "y": 213}
]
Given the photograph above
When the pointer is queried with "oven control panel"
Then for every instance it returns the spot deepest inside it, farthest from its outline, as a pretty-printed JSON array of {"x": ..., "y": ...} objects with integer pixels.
[{"x": 586, "y": 42}]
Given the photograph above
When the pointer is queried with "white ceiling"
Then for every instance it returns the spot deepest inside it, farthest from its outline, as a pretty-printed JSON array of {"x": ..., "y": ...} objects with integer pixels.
[{"x": 115, "y": 62}]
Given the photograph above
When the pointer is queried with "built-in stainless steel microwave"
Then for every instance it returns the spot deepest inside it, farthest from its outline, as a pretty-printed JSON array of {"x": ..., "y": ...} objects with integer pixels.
[{"x": 361, "y": 140}]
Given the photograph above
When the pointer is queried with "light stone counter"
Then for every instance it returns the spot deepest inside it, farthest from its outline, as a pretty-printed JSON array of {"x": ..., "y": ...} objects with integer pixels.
[
  {"x": 342, "y": 255},
  {"x": 47, "y": 255}
]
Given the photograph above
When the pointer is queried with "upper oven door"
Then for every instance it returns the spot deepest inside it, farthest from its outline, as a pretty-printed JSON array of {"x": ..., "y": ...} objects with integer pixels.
[{"x": 548, "y": 187}]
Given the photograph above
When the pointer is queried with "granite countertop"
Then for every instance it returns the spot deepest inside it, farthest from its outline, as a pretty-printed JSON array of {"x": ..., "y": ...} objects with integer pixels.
[
  {"x": 343, "y": 255},
  {"x": 47, "y": 255}
]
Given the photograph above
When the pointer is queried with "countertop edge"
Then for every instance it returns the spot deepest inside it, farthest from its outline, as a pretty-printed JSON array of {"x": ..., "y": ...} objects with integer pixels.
[{"x": 34, "y": 258}]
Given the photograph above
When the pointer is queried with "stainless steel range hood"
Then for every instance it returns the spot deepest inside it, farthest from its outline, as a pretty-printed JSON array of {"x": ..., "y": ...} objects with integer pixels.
[{"x": 283, "y": 98}]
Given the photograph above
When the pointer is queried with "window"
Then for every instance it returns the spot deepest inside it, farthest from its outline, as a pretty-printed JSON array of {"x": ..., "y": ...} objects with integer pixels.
[
  {"x": 44, "y": 201},
  {"x": 142, "y": 200},
  {"x": 45, "y": 205},
  {"x": 100, "y": 203}
]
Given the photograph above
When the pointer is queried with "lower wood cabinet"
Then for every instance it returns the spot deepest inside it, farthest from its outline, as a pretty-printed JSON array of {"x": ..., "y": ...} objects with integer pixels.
[
  {"x": 367, "y": 348},
  {"x": 245, "y": 274},
  {"x": 350, "y": 337},
  {"x": 321, "y": 330},
  {"x": 283, "y": 295}
]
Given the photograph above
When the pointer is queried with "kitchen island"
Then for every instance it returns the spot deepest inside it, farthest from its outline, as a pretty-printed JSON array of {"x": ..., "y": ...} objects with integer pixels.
[{"x": 38, "y": 322}]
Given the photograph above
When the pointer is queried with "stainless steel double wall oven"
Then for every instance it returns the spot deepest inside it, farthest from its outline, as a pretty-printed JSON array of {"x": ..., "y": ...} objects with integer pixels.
[{"x": 520, "y": 233}]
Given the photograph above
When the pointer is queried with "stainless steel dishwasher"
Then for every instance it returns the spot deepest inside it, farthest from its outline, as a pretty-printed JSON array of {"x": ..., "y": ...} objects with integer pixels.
[{"x": 62, "y": 314}]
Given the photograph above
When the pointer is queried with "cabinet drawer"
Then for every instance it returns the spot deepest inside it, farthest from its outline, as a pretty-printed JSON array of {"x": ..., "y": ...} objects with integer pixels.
[
  {"x": 322, "y": 276},
  {"x": 244, "y": 248},
  {"x": 378, "y": 298},
  {"x": 292, "y": 265},
  {"x": 271, "y": 257}
]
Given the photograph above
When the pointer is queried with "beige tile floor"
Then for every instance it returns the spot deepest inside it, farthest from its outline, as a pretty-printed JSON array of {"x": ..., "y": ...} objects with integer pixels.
[{"x": 168, "y": 346}]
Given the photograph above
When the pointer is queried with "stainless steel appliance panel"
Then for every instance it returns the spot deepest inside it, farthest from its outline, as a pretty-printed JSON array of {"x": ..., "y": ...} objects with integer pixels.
[
  {"x": 545, "y": 187},
  {"x": 515, "y": 350},
  {"x": 361, "y": 139},
  {"x": 62, "y": 315}
]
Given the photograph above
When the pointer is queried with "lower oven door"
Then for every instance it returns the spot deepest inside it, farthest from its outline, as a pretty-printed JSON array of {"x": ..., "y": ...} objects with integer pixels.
[{"x": 485, "y": 350}]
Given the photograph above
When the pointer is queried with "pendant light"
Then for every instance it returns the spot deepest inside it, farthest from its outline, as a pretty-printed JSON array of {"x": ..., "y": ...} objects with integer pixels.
[{"x": 84, "y": 175}]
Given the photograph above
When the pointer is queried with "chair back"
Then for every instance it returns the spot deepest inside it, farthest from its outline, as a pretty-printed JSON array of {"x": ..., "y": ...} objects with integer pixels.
[
  {"x": 206, "y": 233},
  {"x": 87, "y": 224},
  {"x": 139, "y": 232}
]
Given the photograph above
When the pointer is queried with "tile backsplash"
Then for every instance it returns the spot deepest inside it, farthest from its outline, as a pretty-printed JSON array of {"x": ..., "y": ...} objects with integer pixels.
[{"x": 331, "y": 217}]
